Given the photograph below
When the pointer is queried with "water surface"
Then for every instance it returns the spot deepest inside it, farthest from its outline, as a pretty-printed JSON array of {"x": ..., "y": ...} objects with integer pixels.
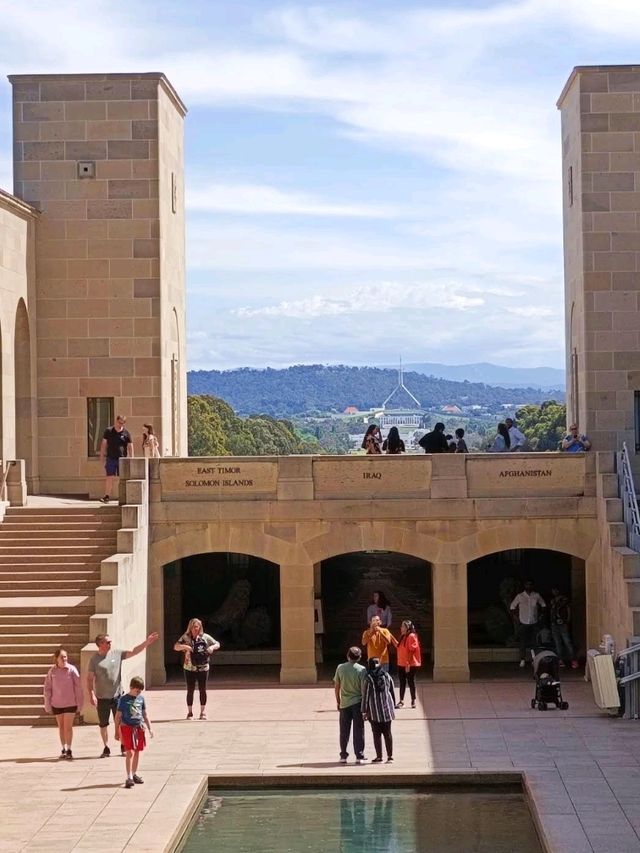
[{"x": 400, "y": 820}]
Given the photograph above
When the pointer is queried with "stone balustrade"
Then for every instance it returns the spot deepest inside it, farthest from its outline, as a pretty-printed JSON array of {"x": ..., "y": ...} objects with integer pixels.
[{"x": 443, "y": 476}]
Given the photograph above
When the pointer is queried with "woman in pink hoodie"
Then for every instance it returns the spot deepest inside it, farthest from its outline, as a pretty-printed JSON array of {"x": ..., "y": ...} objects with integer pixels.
[{"x": 63, "y": 698}]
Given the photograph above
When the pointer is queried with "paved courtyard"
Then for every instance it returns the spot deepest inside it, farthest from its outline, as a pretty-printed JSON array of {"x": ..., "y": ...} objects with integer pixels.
[{"x": 582, "y": 768}]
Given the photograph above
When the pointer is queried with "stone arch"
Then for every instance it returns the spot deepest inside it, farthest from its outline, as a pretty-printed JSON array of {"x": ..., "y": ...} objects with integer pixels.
[
  {"x": 202, "y": 539},
  {"x": 351, "y": 537},
  {"x": 24, "y": 420},
  {"x": 2, "y": 413},
  {"x": 574, "y": 538}
]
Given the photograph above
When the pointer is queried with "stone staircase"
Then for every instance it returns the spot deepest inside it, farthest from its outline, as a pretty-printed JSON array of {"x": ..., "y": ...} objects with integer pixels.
[{"x": 49, "y": 569}]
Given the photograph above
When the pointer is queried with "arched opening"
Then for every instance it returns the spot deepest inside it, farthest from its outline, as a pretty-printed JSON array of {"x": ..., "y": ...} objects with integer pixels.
[
  {"x": 23, "y": 395},
  {"x": 237, "y": 597},
  {"x": 343, "y": 589},
  {"x": 2, "y": 448},
  {"x": 175, "y": 387},
  {"x": 493, "y": 582}
]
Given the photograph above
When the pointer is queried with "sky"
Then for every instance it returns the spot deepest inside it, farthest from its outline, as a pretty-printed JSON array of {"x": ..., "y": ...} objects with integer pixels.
[{"x": 364, "y": 180}]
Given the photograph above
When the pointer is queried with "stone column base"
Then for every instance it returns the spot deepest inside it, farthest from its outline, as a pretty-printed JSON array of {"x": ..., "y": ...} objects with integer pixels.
[
  {"x": 298, "y": 675},
  {"x": 157, "y": 677},
  {"x": 451, "y": 673}
]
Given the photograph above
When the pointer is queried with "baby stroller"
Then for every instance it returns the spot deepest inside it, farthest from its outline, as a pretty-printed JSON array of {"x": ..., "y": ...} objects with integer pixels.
[{"x": 545, "y": 671}]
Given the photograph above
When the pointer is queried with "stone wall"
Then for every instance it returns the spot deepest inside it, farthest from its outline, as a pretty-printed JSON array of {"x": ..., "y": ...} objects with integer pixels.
[
  {"x": 601, "y": 165},
  {"x": 17, "y": 332},
  {"x": 87, "y": 153}
]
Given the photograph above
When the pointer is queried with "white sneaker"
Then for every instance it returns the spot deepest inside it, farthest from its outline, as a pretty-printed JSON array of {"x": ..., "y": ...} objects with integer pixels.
[{"x": 522, "y": 664}]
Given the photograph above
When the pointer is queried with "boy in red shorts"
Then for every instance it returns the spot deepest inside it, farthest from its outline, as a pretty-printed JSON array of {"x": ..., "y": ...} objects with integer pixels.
[{"x": 131, "y": 721}]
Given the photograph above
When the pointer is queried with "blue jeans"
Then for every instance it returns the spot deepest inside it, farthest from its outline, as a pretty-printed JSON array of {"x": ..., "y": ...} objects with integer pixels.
[
  {"x": 350, "y": 715},
  {"x": 562, "y": 641}
]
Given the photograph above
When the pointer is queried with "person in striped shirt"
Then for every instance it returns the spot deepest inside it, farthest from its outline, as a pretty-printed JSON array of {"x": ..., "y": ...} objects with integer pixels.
[{"x": 378, "y": 703}]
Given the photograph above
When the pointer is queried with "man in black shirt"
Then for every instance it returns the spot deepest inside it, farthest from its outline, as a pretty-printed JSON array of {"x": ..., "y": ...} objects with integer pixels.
[
  {"x": 435, "y": 441},
  {"x": 116, "y": 443}
]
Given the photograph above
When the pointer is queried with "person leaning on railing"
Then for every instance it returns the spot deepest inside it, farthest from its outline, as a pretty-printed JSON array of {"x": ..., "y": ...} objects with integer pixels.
[{"x": 573, "y": 442}]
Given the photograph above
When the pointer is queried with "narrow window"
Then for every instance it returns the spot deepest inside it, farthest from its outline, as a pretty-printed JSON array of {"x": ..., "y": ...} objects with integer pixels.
[
  {"x": 570, "y": 186},
  {"x": 636, "y": 417},
  {"x": 174, "y": 193},
  {"x": 100, "y": 416}
]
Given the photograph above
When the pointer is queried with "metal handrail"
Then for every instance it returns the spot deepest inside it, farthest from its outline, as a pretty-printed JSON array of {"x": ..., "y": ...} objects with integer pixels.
[
  {"x": 629, "y": 500},
  {"x": 627, "y": 679},
  {"x": 629, "y": 651}
]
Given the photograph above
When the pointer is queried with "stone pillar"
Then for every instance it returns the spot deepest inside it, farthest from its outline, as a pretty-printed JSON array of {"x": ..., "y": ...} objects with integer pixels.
[
  {"x": 579, "y": 604},
  {"x": 296, "y": 624},
  {"x": 17, "y": 483},
  {"x": 450, "y": 622}
]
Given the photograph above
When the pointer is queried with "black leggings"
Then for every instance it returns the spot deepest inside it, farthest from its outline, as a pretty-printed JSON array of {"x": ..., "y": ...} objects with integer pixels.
[
  {"x": 200, "y": 678},
  {"x": 381, "y": 730},
  {"x": 407, "y": 678}
]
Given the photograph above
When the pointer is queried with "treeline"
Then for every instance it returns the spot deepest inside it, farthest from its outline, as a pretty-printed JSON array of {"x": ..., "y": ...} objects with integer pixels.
[
  {"x": 320, "y": 388},
  {"x": 215, "y": 430}
]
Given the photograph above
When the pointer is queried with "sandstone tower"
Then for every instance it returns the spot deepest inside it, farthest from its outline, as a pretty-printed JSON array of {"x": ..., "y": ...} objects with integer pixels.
[
  {"x": 101, "y": 156},
  {"x": 600, "y": 109}
]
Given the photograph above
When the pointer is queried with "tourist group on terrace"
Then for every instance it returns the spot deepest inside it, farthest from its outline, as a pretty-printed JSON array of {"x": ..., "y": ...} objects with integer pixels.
[{"x": 508, "y": 439}]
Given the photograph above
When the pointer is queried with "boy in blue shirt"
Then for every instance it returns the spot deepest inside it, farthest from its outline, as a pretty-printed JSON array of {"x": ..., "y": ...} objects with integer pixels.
[{"x": 131, "y": 720}]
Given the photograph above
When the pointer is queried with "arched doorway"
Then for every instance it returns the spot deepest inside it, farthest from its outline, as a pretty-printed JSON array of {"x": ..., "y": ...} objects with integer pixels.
[
  {"x": 344, "y": 586},
  {"x": 23, "y": 395},
  {"x": 237, "y": 596},
  {"x": 492, "y": 583}
]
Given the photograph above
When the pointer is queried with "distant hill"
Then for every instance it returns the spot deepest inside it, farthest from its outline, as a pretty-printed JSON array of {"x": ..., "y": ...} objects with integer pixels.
[
  {"x": 494, "y": 374},
  {"x": 321, "y": 388}
]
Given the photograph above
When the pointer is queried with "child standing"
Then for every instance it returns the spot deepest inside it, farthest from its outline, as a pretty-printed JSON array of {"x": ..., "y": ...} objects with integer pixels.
[
  {"x": 131, "y": 720},
  {"x": 63, "y": 698}
]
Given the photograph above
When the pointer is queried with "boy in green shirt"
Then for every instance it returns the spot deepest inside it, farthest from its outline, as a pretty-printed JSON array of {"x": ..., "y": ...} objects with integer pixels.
[{"x": 348, "y": 687}]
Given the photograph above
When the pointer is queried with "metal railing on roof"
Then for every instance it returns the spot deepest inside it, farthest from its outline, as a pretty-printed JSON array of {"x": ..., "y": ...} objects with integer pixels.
[{"x": 629, "y": 501}]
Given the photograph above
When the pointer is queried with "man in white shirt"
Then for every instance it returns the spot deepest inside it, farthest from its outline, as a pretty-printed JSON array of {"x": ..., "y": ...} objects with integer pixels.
[
  {"x": 517, "y": 438},
  {"x": 526, "y": 608}
]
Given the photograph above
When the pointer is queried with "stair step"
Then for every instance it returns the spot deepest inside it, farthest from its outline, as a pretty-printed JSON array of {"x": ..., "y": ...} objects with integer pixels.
[
  {"x": 42, "y": 635},
  {"x": 24, "y": 683},
  {"x": 25, "y": 592},
  {"x": 22, "y": 699},
  {"x": 51, "y": 576},
  {"x": 23, "y": 559},
  {"x": 31, "y": 609},
  {"x": 44, "y": 647},
  {"x": 17, "y": 719},
  {"x": 66, "y": 512},
  {"x": 28, "y": 657},
  {"x": 41, "y": 623}
]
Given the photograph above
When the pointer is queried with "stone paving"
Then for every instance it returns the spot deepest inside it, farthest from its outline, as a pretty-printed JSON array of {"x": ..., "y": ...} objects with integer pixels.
[{"x": 582, "y": 768}]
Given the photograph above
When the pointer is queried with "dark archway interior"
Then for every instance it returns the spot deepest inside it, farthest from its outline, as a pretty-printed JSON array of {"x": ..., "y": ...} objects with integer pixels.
[
  {"x": 236, "y": 596},
  {"x": 346, "y": 584},
  {"x": 494, "y": 580}
]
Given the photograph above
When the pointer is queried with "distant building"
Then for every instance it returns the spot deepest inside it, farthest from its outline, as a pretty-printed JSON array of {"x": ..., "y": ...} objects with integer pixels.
[
  {"x": 351, "y": 410},
  {"x": 452, "y": 410}
]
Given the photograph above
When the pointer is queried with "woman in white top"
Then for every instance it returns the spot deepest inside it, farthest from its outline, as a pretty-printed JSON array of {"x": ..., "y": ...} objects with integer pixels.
[
  {"x": 502, "y": 441},
  {"x": 379, "y": 607},
  {"x": 150, "y": 446}
]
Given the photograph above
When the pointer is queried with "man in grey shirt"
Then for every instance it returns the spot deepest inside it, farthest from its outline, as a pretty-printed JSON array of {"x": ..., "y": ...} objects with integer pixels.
[{"x": 104, "y": 681}]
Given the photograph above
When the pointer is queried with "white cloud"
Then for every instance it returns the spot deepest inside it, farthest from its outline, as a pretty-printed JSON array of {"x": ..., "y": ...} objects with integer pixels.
[
  {"x": 370, "y": 299},
  {"x": 257, "y": 199}
]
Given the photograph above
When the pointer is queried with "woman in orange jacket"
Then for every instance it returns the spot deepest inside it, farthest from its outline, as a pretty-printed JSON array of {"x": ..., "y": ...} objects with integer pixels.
[{"x": 409, "y": 659}]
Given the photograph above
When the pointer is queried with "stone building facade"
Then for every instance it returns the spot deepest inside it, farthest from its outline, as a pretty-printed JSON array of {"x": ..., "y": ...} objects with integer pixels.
[
  {"x": 98, "y": 213},
  {"x": 92, "y": 304},
  {"x": 600, "y": 108}
]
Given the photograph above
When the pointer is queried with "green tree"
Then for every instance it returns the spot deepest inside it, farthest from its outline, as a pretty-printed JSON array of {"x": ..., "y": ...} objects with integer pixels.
[
  {"x": 216, "y": 430},
  {"x": 544, "y": 425},
  {"x": 205, "y": 429}
]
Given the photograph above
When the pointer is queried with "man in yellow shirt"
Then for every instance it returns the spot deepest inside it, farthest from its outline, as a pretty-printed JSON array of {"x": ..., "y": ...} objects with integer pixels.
[{"x": 377, "y": 641}]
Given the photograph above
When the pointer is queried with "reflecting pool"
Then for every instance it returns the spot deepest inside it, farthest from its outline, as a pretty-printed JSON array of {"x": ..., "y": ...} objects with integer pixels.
[{"x": 399, "y": 820}]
